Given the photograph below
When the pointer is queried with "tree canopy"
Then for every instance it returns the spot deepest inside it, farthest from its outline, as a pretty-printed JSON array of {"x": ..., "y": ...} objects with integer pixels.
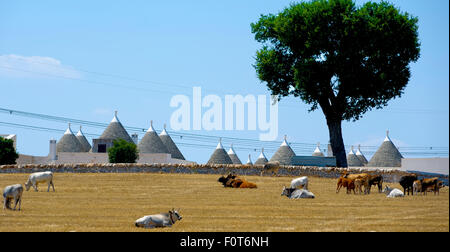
[
  {"x": 336, "y": 55},
  {"x": 8, "y": 154}
]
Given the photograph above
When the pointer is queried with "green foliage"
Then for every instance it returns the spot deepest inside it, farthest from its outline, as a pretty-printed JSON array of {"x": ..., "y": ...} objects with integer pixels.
[
  {"x": 345, "y": 58},
  {"x": 8, "y": 154},
  {"x": 123, "y": 152}
]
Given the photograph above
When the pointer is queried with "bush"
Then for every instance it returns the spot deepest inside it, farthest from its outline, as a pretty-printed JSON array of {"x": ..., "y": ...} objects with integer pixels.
[
  {"x": 123, "y": 152},
  {"x": 8, "y": 154}
]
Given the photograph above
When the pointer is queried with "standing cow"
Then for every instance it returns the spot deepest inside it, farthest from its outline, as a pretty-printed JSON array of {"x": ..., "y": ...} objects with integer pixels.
[
  {"x": 407, "y": 182},
  {"x": 40, "y": 177},
  {"x": 301, "y": 182},
  {"x": 159, "y": 220},
  {"x": 12, "y": 192},
  {"x": 376, "y": 180}
]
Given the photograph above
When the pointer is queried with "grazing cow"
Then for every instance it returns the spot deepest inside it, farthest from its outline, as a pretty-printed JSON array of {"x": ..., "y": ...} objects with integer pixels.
[
  {"x": 364, "y": 177},
  {"x": 407, "y": 182},
  {"x": 40, "y": 177},
  {"x": 393, "y": 192},
  {"x": 345, "y": 182},
  {"x": 12, "y": 192},
  {"x": 432, "y": 184},
  {"x": 417, "y": 187},
  {"x": 159, "y": 220},
  {"x": 376, "y": 180},
  {"x": 301, "y": 182},
  {"x": 295, "y": 193}
]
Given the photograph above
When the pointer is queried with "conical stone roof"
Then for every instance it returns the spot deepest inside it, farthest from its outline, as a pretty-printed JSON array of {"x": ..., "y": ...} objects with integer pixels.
[
  {"x": 353, "y": 160},
  {"x": 220, "y": 156},
  {"x": 69, "y": 143},
  {"x": 284, "y": 154},
  {"x": 151, "y": 143},
  {"x": 115, "y": 130},
  {"x": 317, "y": 152},
  {"x": 261, "y": 159},
  {"x": 84, "y": 142},
  {"x": 387, "y": 155},
  {"x": 232, "y": 154},
  {"x": 170, "y": 144},
  {"x": 361, "y": 156}
]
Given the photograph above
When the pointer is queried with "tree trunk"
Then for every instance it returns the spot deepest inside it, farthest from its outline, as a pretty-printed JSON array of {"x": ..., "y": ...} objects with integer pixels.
[{"x": 336, "y": 141}]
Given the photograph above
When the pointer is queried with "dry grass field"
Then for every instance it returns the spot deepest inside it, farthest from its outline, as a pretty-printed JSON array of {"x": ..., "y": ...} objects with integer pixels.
[{"x": 111, "y": 202}]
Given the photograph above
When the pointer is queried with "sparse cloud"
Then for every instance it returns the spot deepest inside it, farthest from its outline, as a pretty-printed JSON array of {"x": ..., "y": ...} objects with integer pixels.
[{"x": 17, "y": 66}]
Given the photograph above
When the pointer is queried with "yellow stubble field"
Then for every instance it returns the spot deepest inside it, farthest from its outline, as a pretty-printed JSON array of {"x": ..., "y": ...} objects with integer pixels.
[{"x": 111, "y": 202}]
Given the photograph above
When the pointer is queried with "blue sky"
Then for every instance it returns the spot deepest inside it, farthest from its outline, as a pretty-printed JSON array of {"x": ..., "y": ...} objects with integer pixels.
[{"x": 96, "y": 57}]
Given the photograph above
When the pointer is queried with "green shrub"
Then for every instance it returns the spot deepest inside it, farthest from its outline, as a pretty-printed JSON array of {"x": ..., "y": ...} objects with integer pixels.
[{"x": 123, "y": 152}]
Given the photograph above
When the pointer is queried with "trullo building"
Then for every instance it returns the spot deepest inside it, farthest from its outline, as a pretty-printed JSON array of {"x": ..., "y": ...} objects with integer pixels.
[
  {"x": 284, "y": 154},
  {"x": 69, "y": 142},
  {"x": 115, "y": 130},
  {"x": 170, "y": 144},
  {"x": 151, "y": 143},
  {"x": 220, "y": 156},
  {"x": 387, "y": 155},
  {"x": 233, "y": 156}
]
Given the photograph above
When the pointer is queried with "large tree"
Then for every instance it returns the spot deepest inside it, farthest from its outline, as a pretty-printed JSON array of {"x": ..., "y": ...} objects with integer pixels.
[{"x": 347, "y": 59}]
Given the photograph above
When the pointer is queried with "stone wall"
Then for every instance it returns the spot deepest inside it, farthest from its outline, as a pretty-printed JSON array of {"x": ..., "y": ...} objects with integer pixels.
[
  {"x": 389, "y": 175},
  {"x": 99, "y": 158}
]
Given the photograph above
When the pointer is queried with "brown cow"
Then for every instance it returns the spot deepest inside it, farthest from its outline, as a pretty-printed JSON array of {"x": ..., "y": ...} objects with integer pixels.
[
  {"x": 235, "y": 182},
  {"x": 376, "y": 180},
  {"x": 345, "y": 182},
  {"x": 431, "y": 183},
  {"x": 364, "y": 177}
]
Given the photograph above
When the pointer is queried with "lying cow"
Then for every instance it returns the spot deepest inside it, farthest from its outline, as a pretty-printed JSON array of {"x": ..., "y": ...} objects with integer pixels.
[
  {"x": 12, "y": 192},
  {"x": 228, "y": 180},
  {"x": 301, "y": 182},
  {"x": 40, "y": 177},
  {"x": 235, "y": 182},
  {"x": 407, "y": 182},
  {"x": 159, "y": 220},
  {"x": 295, "y": 193},
  {"x": 393, "y": 192}
]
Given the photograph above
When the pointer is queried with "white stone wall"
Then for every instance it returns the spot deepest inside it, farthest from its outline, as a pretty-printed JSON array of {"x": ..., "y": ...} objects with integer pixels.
[
  {"x": 96, "y": 158},
  {"x": 432, "y": 165}
]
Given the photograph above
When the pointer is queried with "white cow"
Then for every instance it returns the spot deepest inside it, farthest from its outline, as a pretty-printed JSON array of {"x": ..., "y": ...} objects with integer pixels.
[
  {"x": 393, "y": 192},
  {"x": 295, "y": 193},
  {"x": 12, "y": 192},
  {"x": 40, "y": 177},
  {"x": 300, "y": 182},
  {"x": 159, "y": 220}
]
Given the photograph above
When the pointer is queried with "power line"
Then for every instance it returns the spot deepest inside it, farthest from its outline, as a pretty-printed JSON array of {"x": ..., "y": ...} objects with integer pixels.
[
  {"x": 209, "y": 147},
  {"x": 239, "y": 143}
]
